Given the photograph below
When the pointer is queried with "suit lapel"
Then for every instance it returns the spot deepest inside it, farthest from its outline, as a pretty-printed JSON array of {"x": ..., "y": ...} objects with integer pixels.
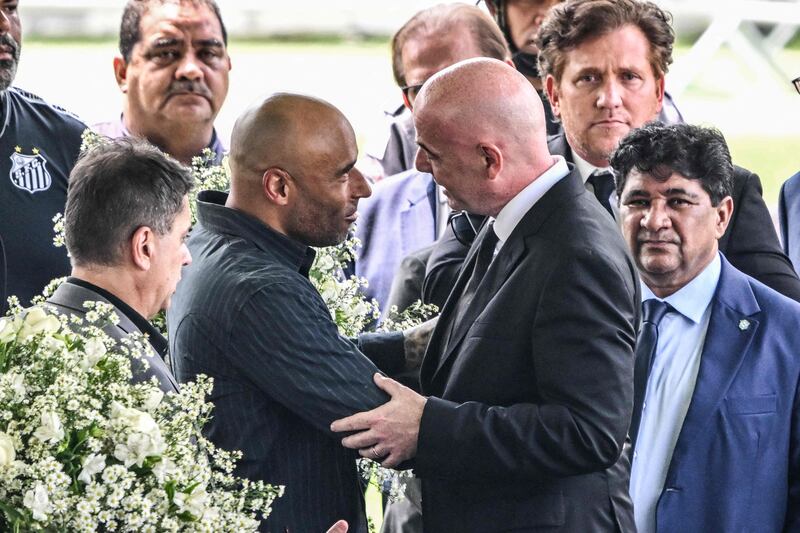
[
  {"x": 500, "y": 271},
  {"x": 731, "y": 329}
]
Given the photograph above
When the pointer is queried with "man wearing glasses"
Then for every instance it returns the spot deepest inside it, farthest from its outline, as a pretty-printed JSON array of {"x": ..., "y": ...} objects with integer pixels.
[
  {"x": 407, "y": 212},
  {"x": 789, "y": 207}
]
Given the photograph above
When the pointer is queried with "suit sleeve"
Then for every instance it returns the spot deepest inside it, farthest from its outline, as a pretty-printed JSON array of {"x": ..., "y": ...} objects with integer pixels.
[
  {"x": 583, "y": 337},
  {"x": 793, "y": 504},
  {"x": 751, "y": 243},
  {"x": 284, "y": 341}
]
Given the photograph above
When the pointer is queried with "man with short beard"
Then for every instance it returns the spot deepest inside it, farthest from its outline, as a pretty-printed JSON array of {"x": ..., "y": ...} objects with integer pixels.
[
  {"x": 247, "y": 315},
  {"x": 39, "y": 144},
  {"x": 173, "y": 73}
]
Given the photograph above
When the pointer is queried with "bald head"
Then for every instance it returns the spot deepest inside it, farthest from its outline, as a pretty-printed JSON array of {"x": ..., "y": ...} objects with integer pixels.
[
  {"x": 289, "y": 131},
  {"x": 487, "y": 112},
  {"x": 292, "y": 159}
]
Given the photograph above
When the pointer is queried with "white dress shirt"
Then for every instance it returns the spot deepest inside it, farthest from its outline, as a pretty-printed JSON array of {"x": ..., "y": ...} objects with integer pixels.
[
  {"x": 442, "y": 211},
  {"x": 518, "y": 207},
  {"x": 681, "y": 335}
]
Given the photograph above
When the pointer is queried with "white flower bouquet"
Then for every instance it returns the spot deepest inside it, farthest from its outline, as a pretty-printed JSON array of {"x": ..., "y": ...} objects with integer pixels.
[{"x": 83, "y": 449}]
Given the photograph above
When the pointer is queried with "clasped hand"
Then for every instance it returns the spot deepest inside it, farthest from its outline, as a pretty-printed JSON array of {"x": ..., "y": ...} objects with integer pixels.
[{"x": 387, "y": 434}]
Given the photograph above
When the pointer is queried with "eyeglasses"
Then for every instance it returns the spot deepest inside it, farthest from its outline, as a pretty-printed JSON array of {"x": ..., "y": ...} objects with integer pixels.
[
  {"x": 466, "y": 226},
  {"x": 411, "y": 91},
  {"x": 796, "y": 83}
]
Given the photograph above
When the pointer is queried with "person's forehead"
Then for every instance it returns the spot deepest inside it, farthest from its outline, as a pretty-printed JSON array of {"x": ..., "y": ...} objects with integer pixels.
[
  {"x": 435, "y": 51},
  {"x": 533, "y": 5},
  {"x": 621, "y": 47},
  {"x": 177, "y": 18},
  {"x": 645, "y": 181}
]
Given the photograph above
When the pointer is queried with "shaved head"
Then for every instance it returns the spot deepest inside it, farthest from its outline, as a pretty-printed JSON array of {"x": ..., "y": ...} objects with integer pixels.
[
  {"x": 292, "y": 159},
  {"x": 481, "y": 114}
]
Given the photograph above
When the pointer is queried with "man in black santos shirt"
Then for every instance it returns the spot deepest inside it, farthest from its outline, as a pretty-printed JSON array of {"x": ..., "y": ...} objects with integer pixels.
[{"x": 38, "y": 147}]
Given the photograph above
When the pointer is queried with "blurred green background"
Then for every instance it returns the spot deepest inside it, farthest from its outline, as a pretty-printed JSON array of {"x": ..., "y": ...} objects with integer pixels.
[{"x": 758, "y": 114}]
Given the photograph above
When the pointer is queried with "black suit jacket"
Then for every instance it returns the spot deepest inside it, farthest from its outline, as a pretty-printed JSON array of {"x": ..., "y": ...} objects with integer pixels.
[
  {"x": 69, "y": 298},
  {"x": 531, "y": 399},
  {"x": 750, "y": 243}
]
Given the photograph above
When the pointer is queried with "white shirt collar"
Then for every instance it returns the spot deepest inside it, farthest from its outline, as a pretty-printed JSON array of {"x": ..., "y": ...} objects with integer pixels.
[
  {"x": 692, "y": 299},
  {"x": 584, "y": 167},
  {"x": 517, "y": 207}
]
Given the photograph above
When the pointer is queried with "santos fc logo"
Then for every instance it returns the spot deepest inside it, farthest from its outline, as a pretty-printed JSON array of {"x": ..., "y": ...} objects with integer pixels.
[{"x": 29, "y": 172}]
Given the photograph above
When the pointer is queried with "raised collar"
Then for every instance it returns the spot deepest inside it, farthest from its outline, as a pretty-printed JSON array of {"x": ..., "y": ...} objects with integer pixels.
[{"x": 214, "y": 216}]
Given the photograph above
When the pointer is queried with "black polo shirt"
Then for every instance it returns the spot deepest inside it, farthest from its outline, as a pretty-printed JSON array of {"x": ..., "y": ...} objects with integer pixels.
[{"x": 39, "y": 144}]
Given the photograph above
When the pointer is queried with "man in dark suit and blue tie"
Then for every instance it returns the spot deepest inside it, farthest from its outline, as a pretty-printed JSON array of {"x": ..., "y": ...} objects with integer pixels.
[
  {"x": 529, "y": 372},
  {"x": 716, "y": 424}
]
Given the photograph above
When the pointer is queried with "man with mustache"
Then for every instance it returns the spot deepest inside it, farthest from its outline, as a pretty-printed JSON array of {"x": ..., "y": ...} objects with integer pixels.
[
  {"x": 39, "y": 144},
  {"x": 173, "y": 73},
  {"x": 716, "y": 420}
]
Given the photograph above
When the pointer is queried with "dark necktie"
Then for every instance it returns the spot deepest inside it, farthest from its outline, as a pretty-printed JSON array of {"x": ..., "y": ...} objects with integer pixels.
[
  {"x": 653, "y": 311},
  {"x": 485, "y": 254},
  {"x": 603, "y": 183}
]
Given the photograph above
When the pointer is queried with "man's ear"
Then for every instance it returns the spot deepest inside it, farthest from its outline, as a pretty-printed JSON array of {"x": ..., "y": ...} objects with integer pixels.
[
  {"x": 552, "y": 94},
  {"x": 724, "y": 213},
  {"x": 142, "y": 247},
  {"x": 276, "y": 185},
  {"x": 121, "y": 73},
  {"x": 492, "y": 159},
  {"x": 660, "y": 93}
]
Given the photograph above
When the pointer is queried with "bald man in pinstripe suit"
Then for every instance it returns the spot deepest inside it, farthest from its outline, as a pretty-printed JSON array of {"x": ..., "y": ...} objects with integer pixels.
[{"x": 247, "y": 315}]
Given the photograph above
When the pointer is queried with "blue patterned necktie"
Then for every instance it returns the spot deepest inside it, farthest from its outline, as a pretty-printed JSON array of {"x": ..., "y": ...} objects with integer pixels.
[{"x": 653, "y": 311}]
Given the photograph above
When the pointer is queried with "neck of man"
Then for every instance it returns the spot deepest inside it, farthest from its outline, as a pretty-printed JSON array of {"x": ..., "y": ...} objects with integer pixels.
[
  {"x": 118, "y": 282},
  {"x": 181, "y": 141}
]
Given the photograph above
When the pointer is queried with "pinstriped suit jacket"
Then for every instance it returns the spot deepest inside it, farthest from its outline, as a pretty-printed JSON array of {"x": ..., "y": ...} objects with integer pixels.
[{"x": 246, "y": 314}]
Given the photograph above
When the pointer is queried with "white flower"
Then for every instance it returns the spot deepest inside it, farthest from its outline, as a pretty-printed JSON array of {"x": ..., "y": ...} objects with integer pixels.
[
  {"x": 164, "y": 468},
  {"x": 8, "y": 330},
  {"x": 17, "y": 383},
  {"x": 195, "y": 502},
  {"x": 7, "y": 451},
  {"x": 139, "y": 447},
  {"x": 51, "y": 429},
  {"x": 94, "y": 350},
  {"x": 37, "y": 320},
  {"x": 137, "y": 420},
  {"x": 92, "y": 464},
  {"x": 152, "y": 399},
  {"x": 37, "y": 501}
]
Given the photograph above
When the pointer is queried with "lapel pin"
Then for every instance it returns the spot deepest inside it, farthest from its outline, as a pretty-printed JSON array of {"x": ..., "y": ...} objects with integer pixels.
[{"x": 744, "y": 325}]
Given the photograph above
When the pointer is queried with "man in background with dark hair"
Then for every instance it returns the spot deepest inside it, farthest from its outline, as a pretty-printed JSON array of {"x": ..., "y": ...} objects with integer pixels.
[
  {"x": 39, "y": 143},
  {"x": 173, "y": 73},
  {"x": 716, "y": 421},
  {"x": 603, "y": 63},
  {"x": 126, "y": 221}
]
